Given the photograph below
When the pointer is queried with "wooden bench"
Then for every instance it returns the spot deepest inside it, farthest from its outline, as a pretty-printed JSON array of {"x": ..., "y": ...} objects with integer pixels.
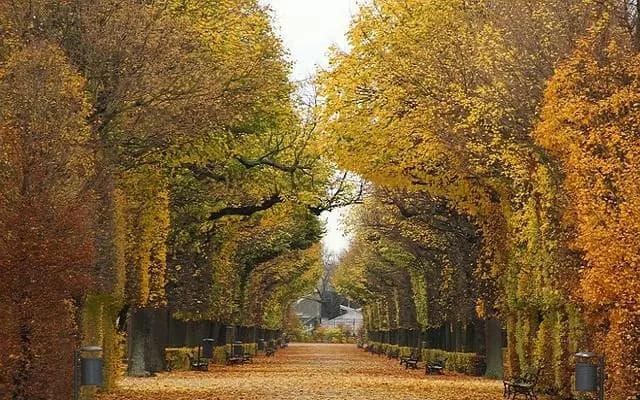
[
  {"x": 198, "y": 364},
  {"x": 395, "y": 353},
  {"x": 525, "y": 385},
  {"x": 236, "y": 357},
  {"x": 435, "y": 367},
  {"x": 270, "y": 351},
  {"x": 233, "y": 359},
  {"x": 411, "y": 361}
]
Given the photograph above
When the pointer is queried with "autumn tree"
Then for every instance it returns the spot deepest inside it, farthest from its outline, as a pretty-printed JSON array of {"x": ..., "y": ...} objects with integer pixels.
[
  {"x": 46, "y": 166},
  {"x": 589, "y": 122},
  {"x": 415, "y": 252},
  {"x": 194, "y": 132},
  {"x": 453, "y": 119}
]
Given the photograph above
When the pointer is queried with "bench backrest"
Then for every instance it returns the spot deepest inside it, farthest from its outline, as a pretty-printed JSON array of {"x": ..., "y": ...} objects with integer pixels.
[
  {"x": 532, "y": 375},
  {"x": 237, "y": 350}
]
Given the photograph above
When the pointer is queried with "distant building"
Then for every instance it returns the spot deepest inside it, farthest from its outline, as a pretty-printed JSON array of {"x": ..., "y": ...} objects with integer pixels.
[
  {"x": 351, "y": 318},
  {"x": 308, "y": 310}
]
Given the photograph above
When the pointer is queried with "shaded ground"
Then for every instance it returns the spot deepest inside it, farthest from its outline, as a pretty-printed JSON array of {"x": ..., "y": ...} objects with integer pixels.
[{"x": 306, "y": 372}]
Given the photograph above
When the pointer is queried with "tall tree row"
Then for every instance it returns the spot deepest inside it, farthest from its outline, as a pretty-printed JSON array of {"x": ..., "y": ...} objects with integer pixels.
[
  {"x": 518, "y": 116},
  {"x": 152, "y": 154}
]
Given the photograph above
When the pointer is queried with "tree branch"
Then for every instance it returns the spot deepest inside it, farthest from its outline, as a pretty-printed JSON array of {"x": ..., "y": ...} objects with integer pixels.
[
  {"x": 247, "y": 211},
  {"x": 248, "y": 164},
  {"x": 204, "y": 172}
]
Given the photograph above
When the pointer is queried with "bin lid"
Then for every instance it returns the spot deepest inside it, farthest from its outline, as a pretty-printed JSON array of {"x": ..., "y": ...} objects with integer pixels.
[
  {"x": 91, "y": 348},
  {"x": 586, "y": 354}
]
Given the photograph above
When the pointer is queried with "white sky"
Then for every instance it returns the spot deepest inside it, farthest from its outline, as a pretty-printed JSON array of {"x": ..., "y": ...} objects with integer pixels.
[
  {"x": 308, "y": 29},
  {"x": 335, "y": 240}
]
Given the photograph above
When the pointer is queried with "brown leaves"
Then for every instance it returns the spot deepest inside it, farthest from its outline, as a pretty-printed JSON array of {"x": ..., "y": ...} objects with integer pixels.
[{"x": 45, "y": 240}]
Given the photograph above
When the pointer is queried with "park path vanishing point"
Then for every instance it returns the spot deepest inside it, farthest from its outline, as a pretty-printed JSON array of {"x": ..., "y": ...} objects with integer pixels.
[{"x": 306, "y": 372}]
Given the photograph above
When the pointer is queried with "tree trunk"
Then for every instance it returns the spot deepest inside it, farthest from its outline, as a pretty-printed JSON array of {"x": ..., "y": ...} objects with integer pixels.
[
  {"x": 493, "y": 329},
  {"x": 479, "y": 340},
  {"x": 156, "y": 340},
  {"x": 136, "y": 337},
  {"x": 458, "y": 344},
  {"x": 146, "y": 340}
]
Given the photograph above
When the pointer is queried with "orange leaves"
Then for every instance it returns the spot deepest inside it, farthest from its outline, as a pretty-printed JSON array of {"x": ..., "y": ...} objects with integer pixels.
[
  {"x": 310, "y": 372},
  {"x": 590, "y": 122}
]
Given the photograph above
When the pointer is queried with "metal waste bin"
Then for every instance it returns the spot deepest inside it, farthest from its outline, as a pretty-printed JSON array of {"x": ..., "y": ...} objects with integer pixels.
[
  {"x": 261, "y": 345},
  {"x": 238, "y": 349},
  {"x": 87, "y": 368},
  {"x": 207, "y": 348},
  {"x": 230, "y": 334},
  {"x": 91, "y": 366},
  {"x": 589, "y": 373}
]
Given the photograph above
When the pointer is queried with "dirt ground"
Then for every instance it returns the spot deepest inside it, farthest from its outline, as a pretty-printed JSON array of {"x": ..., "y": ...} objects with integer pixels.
[{"x": 306, "y": 372}]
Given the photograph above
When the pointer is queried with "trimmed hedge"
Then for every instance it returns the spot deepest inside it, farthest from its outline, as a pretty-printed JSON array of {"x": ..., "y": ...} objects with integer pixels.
[
  {"x": 177, "y": 359},
  {"x": 330, "y": 335},
  {"x": 465, "y": 363}
]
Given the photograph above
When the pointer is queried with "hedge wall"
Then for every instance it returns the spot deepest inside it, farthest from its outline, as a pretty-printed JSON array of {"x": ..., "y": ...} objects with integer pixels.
[
  {"x": 177, "y": 359},
  {"x": 465, "y": 363}
]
